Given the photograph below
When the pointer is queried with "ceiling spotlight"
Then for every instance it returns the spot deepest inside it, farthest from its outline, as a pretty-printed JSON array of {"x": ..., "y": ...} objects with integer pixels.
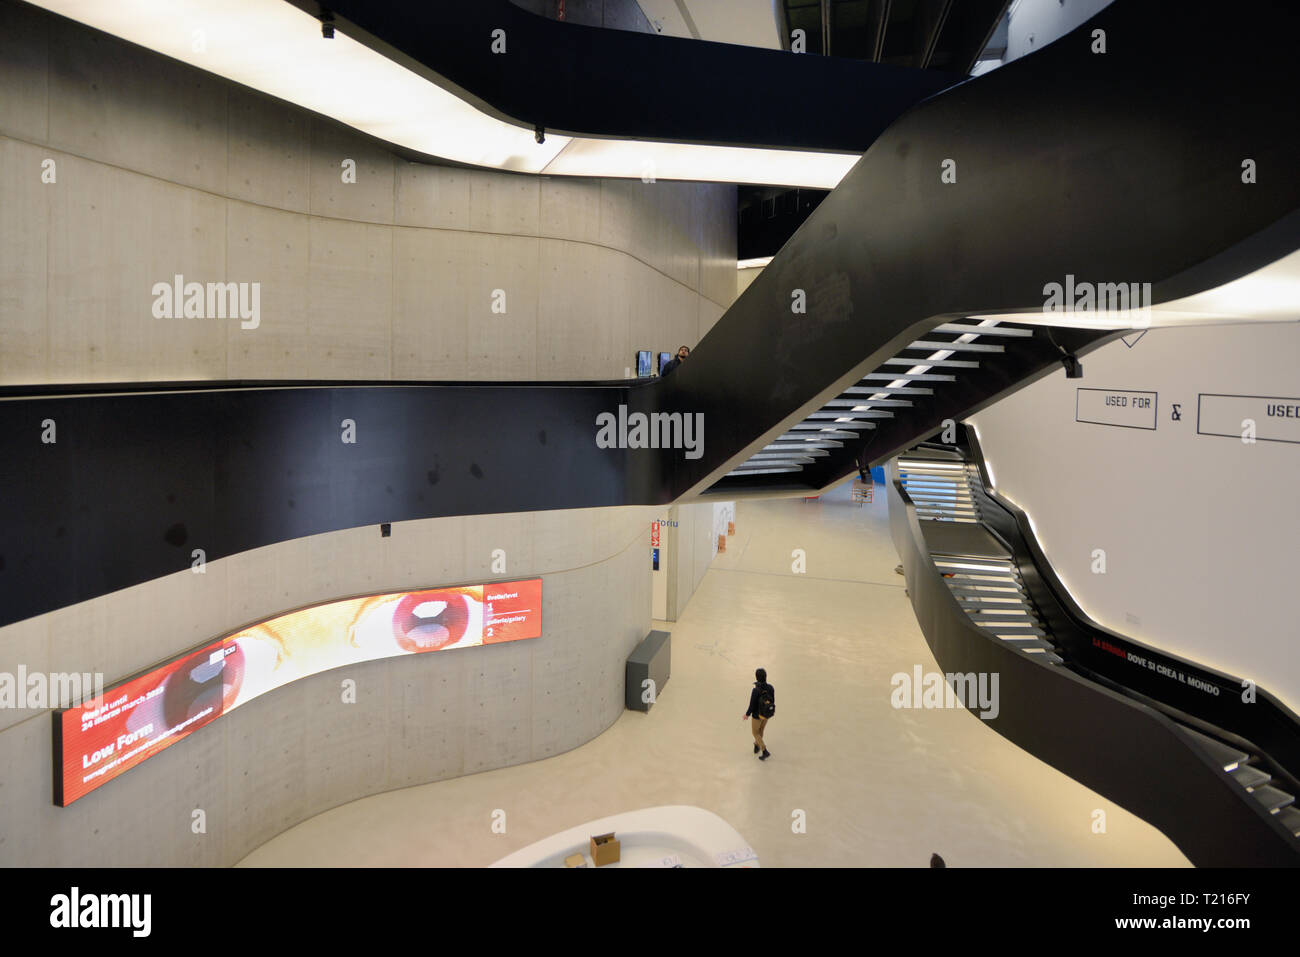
[
  {"x": 539, "y": 134},
  {"x": 327, "y": 25},
  {"x": 1073, "y": 367}
]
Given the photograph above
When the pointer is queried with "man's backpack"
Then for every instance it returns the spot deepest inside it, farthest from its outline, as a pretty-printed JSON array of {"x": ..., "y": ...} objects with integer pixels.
[{"x": 766, "y": 706}]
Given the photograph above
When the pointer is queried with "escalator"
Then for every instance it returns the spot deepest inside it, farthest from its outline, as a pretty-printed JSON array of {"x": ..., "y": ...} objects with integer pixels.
[
  {"x": 861, "y": 336},
  {"x": 979, "y": 582}
]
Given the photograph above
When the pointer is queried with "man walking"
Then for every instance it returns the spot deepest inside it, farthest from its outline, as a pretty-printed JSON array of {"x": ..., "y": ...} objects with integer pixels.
[{"x": 762, "y": 705}]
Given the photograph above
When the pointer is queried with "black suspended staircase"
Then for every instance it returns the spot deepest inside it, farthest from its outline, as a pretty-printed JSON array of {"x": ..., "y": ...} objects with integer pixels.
[
  {"x": 1120, "y": 167},
  {"x": 977, "y": 569},
  {"x": 950, "y": 350},
  {"x": 980, "y": 582}
]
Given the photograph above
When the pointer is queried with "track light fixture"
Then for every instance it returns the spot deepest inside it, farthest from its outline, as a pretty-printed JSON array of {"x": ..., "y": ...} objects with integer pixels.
[{"x": 1073, "y": 367}]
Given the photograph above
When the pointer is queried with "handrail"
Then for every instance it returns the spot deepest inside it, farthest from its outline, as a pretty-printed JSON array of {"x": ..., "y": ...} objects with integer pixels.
[{"x": 1264, "y": 726}]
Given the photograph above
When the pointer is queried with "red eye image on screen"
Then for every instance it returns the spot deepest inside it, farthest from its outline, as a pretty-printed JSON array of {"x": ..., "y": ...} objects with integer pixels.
[
  {"x": 140, "y": 716},
  {"x": 432, "y": 620},
  {"x": 204, "y": 680}
]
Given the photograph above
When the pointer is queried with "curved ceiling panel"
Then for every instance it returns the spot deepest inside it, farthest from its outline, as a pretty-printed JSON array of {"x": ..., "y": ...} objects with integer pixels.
[{"x": 472, "y": 83}]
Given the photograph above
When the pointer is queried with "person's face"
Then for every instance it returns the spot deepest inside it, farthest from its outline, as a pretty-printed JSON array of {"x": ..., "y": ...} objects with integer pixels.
[{"x": 683, "y": 352}]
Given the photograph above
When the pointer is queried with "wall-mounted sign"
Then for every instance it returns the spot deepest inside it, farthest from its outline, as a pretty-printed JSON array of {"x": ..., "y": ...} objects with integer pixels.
[
  {"x": 1126, "y": 408},
  {"x": 654, "y": 534},
  {"x": 1276, "y": 419},
  {"x": 145, "y": 714}
]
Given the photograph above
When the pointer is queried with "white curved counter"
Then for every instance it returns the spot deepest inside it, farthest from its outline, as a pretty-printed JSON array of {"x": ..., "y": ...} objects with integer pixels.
[{"x": 669, "y": 836}]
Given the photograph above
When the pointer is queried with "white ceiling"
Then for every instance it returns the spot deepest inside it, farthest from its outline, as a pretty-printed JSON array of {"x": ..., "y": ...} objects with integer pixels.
[{"x": 750, "y": 23}]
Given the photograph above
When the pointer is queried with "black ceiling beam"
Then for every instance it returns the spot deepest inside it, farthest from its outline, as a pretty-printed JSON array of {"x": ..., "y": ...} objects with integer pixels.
[
  {"x": 580, "y": 80},
  {"x": 938, "y": 15},
  {"x": 882, "y": 24}
]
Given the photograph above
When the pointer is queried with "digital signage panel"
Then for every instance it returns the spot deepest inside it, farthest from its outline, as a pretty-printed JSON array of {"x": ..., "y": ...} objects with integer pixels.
[{"x": 136, "y": 718}]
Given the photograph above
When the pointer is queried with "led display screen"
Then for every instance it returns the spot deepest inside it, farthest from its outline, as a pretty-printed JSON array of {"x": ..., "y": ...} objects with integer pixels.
[
  {"x": 643, "y": 363},
  {"x": 136, "y": 718}
]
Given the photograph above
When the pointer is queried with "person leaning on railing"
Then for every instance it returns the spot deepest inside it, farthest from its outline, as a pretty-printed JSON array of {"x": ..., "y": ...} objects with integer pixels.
[{"x": 674, "y": 362}]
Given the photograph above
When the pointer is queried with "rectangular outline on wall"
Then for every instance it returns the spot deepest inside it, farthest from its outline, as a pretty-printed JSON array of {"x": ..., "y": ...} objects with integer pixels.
[
  {"x": 1232, "y": 395},
  {"x": 1155, "y": 413}
]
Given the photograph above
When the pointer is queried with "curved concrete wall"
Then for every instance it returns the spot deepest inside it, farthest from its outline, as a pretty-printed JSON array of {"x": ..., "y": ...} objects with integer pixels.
[
  {"x": 300, "y": 750},
  {"x": 161, "y": 169}
]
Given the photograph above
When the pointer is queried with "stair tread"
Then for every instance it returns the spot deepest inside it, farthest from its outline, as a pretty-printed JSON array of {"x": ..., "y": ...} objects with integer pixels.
[
  {"x": 1272, "y": 798},
  {"x": 1249, "y": 776},
  {"x": 1225, "y": 754}
]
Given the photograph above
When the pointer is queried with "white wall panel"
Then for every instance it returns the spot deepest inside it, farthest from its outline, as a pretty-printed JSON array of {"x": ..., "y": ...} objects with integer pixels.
[{"x": 1199, "y": 531}]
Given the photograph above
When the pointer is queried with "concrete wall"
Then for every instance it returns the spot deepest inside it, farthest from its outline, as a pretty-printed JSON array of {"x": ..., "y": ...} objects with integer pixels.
[
  {"x": 751, "y": 23},
  {"x": 1199, "y": 531},
  {"x": 162, "y": 169},
  {"x": 299, "y": 750},
  {"x": 1036, "y": 23},
  {"x": 610, "y": 14},
  {"x": 690, "y": 549}
]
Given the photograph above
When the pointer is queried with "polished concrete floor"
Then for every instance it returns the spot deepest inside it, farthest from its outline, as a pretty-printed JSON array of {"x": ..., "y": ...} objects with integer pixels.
[{"x": 872, "y": 785}]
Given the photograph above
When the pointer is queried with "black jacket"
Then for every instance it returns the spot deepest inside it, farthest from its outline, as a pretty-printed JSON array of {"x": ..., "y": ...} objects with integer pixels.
[
  {"x": 670, "y": 365},
  {"x": 755, "y": 695}
]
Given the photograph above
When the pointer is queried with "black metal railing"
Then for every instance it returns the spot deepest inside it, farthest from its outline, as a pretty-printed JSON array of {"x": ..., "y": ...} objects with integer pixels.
[{"x": 1125, "y": 750}]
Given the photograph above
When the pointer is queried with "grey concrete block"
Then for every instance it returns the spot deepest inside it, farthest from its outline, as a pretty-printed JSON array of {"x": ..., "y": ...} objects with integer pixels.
[{"x": 651, "y": 661}]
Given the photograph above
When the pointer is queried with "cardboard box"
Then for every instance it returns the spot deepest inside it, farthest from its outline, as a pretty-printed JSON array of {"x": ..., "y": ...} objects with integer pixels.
[
  {"x": 575, "y": 860},
  {"x": 604, "y": 849}
]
